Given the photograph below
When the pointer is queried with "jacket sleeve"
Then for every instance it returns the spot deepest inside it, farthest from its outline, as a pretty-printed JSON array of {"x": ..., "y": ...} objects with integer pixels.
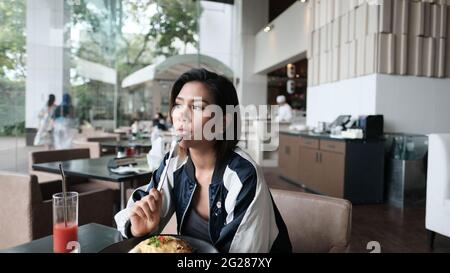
[
  {"x": 250, "y": 225},
  {"x": 167, "y": 209}
]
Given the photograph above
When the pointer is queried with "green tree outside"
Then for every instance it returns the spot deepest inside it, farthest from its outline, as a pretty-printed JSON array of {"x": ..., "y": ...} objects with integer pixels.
[
  {"x": 12, "y": 67},
  {"x": 163, "y": 24}
]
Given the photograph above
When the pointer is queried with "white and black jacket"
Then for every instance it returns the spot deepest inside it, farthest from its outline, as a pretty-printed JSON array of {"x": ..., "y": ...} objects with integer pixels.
[{"x": 243, "y": 217}]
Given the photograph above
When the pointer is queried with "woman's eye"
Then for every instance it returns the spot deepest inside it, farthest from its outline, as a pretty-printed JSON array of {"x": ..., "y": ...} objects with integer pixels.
[{"x": 197, "y": 107}]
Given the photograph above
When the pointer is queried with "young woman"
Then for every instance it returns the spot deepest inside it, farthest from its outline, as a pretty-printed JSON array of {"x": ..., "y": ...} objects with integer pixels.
[
  {"x": 215, "y": 189},
  {"x": 44, "y": 133}
]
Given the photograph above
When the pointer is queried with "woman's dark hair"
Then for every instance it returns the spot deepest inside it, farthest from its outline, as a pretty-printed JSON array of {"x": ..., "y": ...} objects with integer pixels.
[
  {"x": 51, "y": 100},
  {"x": 67, "y": 99},
  {"x": 224, "y": 94},
  {"x": 65, "y": 109}
]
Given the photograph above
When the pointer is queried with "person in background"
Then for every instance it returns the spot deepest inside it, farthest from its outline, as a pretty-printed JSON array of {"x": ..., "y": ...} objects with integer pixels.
[
  {"x": 136, "y": 126},
  {"x": 44, "y": 133},
  {"x": 160, "y": 122},
  {"x": 64, "y": 117},
  {"x": 284, "y": 110}
]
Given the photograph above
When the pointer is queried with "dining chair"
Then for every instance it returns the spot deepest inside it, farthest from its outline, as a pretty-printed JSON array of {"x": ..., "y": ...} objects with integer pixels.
[
  {"x": 26, "y": 208},
  {"x": 80, "y": 184},
  {"x": 55, "y": 156},
  {"x": 94, "y": 145},
  {"x": 315, "y": 223}
]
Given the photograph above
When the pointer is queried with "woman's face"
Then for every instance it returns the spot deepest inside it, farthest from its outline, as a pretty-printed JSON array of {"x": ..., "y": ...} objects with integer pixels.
[{"x": 189, "y": 114}]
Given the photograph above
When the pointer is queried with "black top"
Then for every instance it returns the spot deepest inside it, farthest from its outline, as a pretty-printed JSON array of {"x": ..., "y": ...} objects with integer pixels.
[
  {"x": 327, "y": 136},
  {"x": 195, "y": 226}
]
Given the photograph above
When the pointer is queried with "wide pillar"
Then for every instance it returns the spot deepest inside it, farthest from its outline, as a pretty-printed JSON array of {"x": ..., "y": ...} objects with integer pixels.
[
  {"x": 250, "y": 17},
  {"x": 48, "y": 59}
]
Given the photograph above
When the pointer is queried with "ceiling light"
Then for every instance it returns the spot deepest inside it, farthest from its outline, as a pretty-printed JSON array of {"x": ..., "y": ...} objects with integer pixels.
[{"x": 268, "y": 28}]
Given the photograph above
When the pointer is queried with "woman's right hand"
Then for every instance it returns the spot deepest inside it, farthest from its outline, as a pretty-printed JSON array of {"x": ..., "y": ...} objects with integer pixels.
[{"x": 145, "y": 214}]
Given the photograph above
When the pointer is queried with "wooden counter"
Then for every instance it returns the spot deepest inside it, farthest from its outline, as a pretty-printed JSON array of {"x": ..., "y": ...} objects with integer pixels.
[{"x": 349, "y": 169}]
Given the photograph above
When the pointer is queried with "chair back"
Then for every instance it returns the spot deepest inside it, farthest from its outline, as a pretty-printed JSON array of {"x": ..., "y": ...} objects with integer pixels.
[
  {"x": 315, "y": 223},
  {"x": 19, "y": 194}
]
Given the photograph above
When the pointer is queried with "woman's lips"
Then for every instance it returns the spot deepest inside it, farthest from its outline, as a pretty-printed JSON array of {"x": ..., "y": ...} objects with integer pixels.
[{"x": 182, "y": 132}]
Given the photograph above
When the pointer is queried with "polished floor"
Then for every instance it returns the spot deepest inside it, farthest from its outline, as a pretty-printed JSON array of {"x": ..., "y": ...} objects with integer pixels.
[{"x": 395, "y": 230}]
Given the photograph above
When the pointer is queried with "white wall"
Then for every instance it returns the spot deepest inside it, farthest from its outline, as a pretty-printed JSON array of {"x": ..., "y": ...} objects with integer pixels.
[
  {"x": 250, "y": 16},
  {"x": 414, "y": 104},
  {"x": 287, "y": 41},
  {"x": 47, "y": 59},
  {"x": 215, "y": 31},
  {"x": 353, "y": 97}
]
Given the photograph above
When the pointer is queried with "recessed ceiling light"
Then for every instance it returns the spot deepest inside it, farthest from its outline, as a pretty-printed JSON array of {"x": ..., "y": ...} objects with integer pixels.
[{"x": 268, "y": 28}]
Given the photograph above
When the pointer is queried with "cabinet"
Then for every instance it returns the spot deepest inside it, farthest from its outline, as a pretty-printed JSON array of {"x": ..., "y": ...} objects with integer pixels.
[
  {"x": 322, "y": 171},
  {"x": 332, "y": 166},
  {"x": 308, "y": 166},
  {"x": 289, "y": 156},
  {"x": 350, "y": 169}
]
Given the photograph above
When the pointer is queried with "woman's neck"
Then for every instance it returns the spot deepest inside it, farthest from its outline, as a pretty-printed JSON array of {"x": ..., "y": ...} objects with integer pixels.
[{"x": 203, "y": 159}]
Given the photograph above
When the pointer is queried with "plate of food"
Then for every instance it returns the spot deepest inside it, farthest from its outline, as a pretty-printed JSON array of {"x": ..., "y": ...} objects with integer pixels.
[{"x": 161, "y": 244}]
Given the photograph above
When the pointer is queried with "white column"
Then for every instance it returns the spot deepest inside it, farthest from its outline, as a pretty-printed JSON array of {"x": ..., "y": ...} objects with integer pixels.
[
  {"x": 215, "y": 31},
  {"x": 48, "y": 60},
  {"x": 250, "y": 17},
  {"x": 154, "y": 89}
]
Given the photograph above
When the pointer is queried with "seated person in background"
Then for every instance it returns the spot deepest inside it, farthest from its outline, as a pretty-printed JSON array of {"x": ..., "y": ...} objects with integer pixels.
[
  {"x": 160, "y": 122},
  {"x": 217, "y": 192},
  {"x": 136, "y": 127}
]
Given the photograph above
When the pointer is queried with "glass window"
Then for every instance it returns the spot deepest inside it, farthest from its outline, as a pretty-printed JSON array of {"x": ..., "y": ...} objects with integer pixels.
[{"x": 107, "y": 63}]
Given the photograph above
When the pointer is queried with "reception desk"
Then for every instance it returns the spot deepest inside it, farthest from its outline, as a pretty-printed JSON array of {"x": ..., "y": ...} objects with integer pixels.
[{"x": 343, "y": 168}]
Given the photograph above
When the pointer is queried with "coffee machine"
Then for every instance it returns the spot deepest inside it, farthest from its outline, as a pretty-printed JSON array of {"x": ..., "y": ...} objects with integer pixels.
[{"x": 371, "y": 125}]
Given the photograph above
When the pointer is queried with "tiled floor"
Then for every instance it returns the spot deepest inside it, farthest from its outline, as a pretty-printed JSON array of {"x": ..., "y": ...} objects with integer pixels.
[{"x": 396, "y": 230}]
